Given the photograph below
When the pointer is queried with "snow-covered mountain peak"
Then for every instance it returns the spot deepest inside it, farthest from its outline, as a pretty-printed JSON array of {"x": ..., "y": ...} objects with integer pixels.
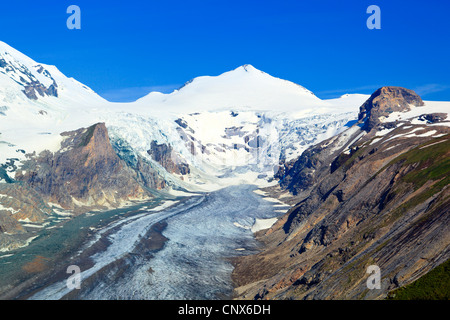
[
  {"x": 228, "y": 128},
  {"x": 244, "y": 88},
  {"x": 7, "y": 50},
  {"x": 248, "y": 68},
  {"x": 21, "y": 69},
  {"x": 37, "y": 103}
]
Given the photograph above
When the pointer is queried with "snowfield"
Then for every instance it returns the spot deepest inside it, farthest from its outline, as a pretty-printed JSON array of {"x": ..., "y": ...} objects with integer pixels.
[{"x": 240, "y": 123}]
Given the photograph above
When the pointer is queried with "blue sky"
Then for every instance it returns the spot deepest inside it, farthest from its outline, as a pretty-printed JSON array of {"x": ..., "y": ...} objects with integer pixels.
[{"x": 126, "y": 49}]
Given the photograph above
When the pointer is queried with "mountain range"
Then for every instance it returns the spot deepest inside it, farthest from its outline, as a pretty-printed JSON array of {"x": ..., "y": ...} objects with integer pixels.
[
  {"x": 366, "y": 176},
  {"x": 375, "y": 194}
]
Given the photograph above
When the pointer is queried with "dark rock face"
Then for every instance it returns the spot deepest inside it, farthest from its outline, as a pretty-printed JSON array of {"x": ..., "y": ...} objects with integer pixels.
[
  {"x": 297, "y": 176},
  {"x": 181, "y": 123},
  {"x": 8, "y": 224},
  {"x": 86, "y": 172},
  {"x": 34, "y": 87},
  {"x": 19, "y": 203},
  {"x": 144, "y": 170},
  {"x": 52, "y": 90},
  {"x": 434, "y": 117},
  {"x": 24, "y": 202},
  {"x": 164, "y": 155},
  {"x": 300, "y": 175},
  {"x": 385, "y": 101}
]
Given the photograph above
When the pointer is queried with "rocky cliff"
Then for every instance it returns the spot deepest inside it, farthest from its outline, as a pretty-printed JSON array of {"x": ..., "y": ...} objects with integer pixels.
[
  {"x": 385, "y": 101},
  {"x": 167, "y": 157},
  {"x": 377, "y": 194},
  {"x": 85, "y": 173},
  {"x": 19, "y": 205}
]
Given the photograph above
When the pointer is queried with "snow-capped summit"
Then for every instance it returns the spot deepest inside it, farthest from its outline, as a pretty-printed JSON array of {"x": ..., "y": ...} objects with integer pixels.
[
  {"x": 244, "y": 88},
  {"x": 249, "y": 68},
  {"x": 228, "y": 128},
  {"x": 37, "y": 103},
  {"x": 23, "y": 79}
]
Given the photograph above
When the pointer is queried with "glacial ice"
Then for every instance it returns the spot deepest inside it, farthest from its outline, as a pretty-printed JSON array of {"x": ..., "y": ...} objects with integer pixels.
[{"x": 193, "y": 263}]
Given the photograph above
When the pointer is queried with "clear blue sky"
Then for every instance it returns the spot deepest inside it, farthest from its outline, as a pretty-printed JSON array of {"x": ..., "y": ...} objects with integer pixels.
[{"x": 127, "y": 48}]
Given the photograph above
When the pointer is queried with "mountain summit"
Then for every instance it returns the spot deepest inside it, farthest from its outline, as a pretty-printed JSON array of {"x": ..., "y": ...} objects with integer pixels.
[
  {"x": 385, "y": 101},
  {"x": 242, "y": 88},
  {"x": 22, "y": 78}
]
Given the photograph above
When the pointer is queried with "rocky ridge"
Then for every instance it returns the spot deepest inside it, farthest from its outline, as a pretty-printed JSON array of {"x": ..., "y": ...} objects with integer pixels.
[
  {"x": 85, "y": 172},
  {"x": 385, "y": 101},
  {"x": 376, "y": 194}
]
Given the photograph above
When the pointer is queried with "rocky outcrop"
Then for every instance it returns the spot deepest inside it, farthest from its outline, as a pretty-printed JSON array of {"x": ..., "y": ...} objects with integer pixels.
[
  {"x": 300, "y": 174},
  {"x": 19, "y": 204},
  {"x": 35, "y": 87},
  {"x": 167, "y": 157},
  {"x": 384, "y": 101},
  {"x": 145, "y": 171},
  {"x": 32, "y": 87},
  {"x": 377, "y": 197},
  {"x": 85, "y": 173},
  {"x": 434, "y": 117},
  {"x": 23, "y": 203}
]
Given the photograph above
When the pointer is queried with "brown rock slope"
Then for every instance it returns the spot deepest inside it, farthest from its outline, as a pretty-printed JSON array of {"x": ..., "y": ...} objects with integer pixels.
[
  {"x": 19, "y": 204},
  {"x": 369, "y": 196},
  {"x": 385, "y": 101},
  {"x": 85, "y": 173},
  {"x": 168, "y": 158}
]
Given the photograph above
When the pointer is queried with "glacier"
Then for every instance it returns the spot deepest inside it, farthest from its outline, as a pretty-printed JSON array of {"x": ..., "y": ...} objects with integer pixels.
[
  {"x": 233, "y": 130},
  {"x": 193, "y": 264},
  {"x": 273, "y": 119}
]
